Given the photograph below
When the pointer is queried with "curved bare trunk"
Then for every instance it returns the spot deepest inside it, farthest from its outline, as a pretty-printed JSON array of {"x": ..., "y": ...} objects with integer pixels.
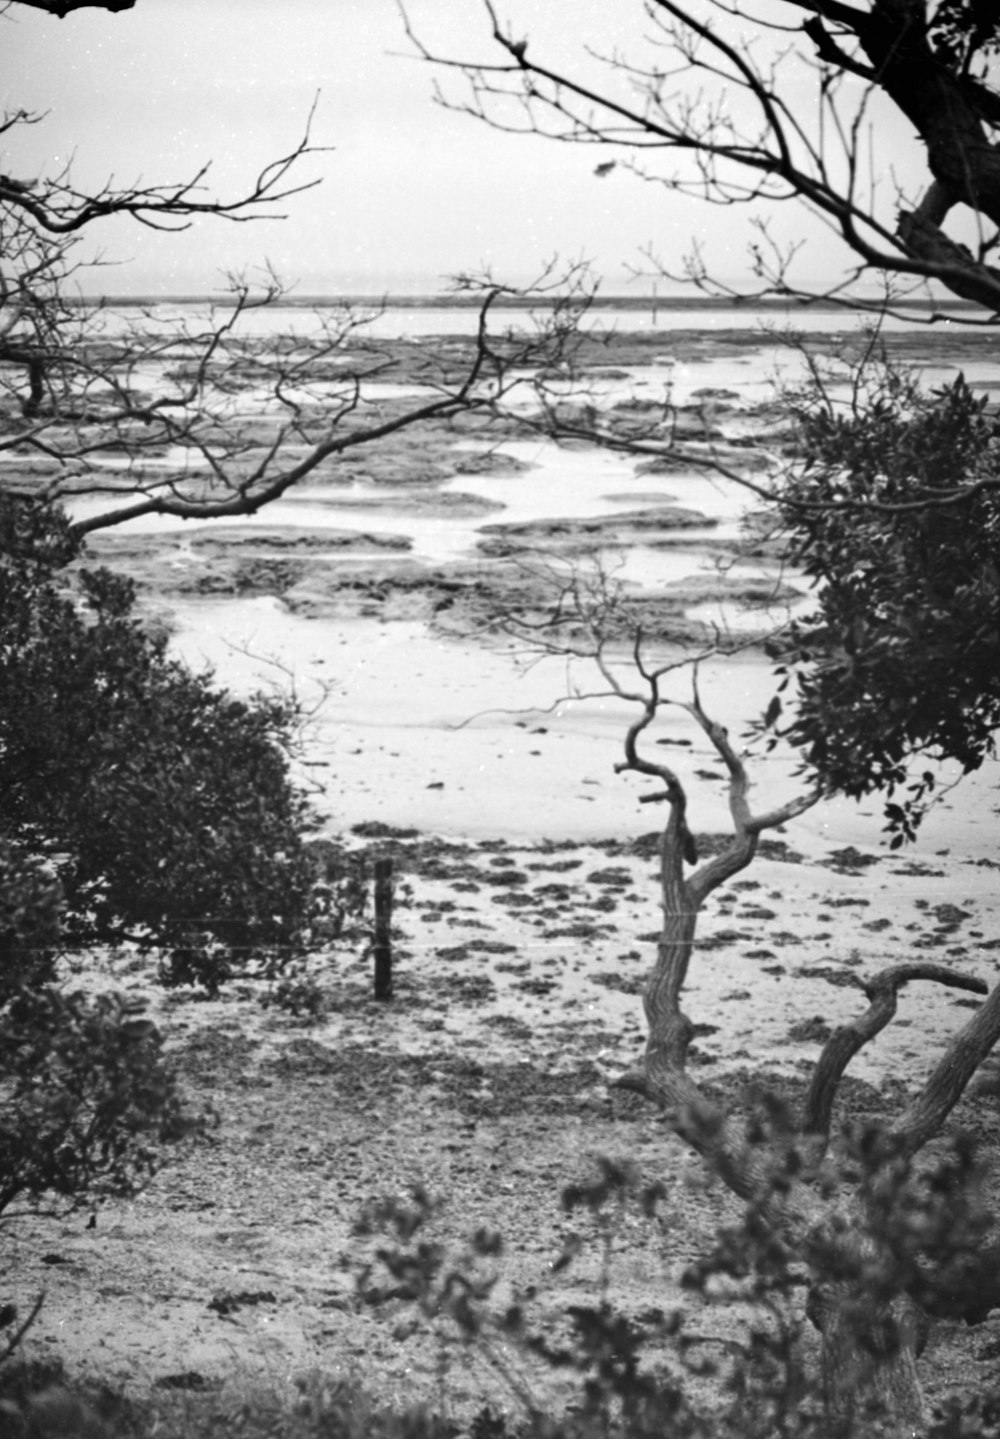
[{"x": 871, "y": 1329}]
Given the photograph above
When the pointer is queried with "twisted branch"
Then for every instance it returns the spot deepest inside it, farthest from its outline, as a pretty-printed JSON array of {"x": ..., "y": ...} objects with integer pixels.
[
  {"x": 61, "y": 8},
  {"x": 846, "y": 1042}
]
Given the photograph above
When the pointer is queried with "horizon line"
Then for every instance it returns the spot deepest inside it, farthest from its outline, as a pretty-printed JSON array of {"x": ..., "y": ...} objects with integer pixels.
[{"x": 675, "y": 300}]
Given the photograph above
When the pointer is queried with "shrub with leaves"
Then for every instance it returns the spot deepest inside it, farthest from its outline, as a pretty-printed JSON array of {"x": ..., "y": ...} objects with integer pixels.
[
  {"x": 138, "y": 803},
  {"x": 30, "y": 922},
  {"x": 86, "y": 1098},
  {"x": 162, "y": 805},
  {"x": 895, "y": 516}
]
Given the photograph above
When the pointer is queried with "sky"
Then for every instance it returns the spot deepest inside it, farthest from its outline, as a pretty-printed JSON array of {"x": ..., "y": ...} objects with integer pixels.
[{"x": 412, "y": 193}]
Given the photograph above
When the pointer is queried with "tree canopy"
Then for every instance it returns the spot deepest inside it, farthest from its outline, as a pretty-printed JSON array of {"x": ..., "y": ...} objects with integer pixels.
[
  {"x": 162, "y": 805},
  {"x": 895, "y": 517}
]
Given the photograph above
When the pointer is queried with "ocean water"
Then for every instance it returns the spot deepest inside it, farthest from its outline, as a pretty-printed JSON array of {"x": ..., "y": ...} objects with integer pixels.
[{"x": 387, "y": 321}]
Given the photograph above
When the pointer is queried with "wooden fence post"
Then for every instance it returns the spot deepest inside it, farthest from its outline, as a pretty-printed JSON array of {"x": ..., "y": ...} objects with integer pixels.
[{"x": 382, "y": 947}]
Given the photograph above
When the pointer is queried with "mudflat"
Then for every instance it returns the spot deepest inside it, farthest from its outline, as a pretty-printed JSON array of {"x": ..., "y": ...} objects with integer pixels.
[{"x": 527, "y": 899}]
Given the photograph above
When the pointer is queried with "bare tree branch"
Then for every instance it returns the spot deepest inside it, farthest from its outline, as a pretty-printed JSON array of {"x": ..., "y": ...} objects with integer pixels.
[
  {"x": 57, "y": 206},
  {"x": 846, "y": 1042},
  {"x": 763, "y": 148},
  {"x": 947, "y": 1083},
  {"x": 62, "y": 8}
]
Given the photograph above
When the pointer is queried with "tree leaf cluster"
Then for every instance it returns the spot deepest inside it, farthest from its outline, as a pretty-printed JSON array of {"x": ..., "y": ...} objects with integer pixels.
[
  {"x": 141, "y": 804},
  {"x": 87, "y": 1097},
  {"x": 895, "y": 519},
  {"x": 31, "y": 906},
  {"x": 163, "y": 806}
]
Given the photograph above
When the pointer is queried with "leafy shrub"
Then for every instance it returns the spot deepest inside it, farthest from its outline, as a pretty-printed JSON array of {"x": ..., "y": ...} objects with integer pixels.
[
  {"x": 30, "y": 922},
  {"x": 86, "y": 1098},
  {"x": 141, "y": 805},
  {"x": 894, "y": 515},
  {"x": 162, "y": 805}
]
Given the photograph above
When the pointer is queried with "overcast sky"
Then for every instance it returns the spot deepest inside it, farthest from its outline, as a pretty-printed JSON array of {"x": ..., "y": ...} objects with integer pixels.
[{"x": 411, "y": 193}]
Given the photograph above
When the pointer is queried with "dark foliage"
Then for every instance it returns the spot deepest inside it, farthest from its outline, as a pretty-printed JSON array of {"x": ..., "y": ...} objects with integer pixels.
[
  {"x": 139, "y": 803},
  {"x": 161, "y": 805},
  {"x": 30, "y": 923},
  {"x": 961, "y": 31},
  {"x": 87, "y": 1099},
  {"x": 901, "y": 656}
]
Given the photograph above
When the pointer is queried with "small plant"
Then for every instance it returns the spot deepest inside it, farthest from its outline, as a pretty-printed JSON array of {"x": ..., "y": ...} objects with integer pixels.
[
  {"x": 424, "y": 1272},
  {"x": 600, "y": 1349},
  {"x": 86, "y": 1097},
  {"x": 299, "y": 995}
]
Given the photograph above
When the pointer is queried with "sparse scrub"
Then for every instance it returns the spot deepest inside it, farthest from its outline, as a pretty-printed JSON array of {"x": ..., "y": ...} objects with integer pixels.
[{"x": 589, "y": 1371}]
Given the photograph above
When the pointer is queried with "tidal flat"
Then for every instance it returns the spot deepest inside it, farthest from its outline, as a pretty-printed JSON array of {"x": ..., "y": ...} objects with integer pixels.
[{"x": 526, "y": 868}]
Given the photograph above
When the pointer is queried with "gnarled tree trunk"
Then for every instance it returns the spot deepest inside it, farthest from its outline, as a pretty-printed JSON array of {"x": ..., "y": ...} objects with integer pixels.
[{"x": 872, "y": 1329}]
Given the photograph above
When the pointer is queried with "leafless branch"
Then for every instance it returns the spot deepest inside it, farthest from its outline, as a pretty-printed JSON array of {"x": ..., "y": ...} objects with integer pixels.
[
  {"x": 723, "y": 118},
  {"x": 846, "y": 1042},
  {"x": 56, "y": 206},
  {"x": 62, "y": 8}
]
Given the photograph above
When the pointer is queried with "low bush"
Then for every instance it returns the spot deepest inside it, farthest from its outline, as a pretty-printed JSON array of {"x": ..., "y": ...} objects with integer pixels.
[
  {"x": 141, "y": 806},
  {"x": 87, "y": 1098},
  {"x": 161, "y": 805}
]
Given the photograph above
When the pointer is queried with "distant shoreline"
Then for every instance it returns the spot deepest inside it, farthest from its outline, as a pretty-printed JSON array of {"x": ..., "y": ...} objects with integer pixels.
[{"x": 638, "y": 303}]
